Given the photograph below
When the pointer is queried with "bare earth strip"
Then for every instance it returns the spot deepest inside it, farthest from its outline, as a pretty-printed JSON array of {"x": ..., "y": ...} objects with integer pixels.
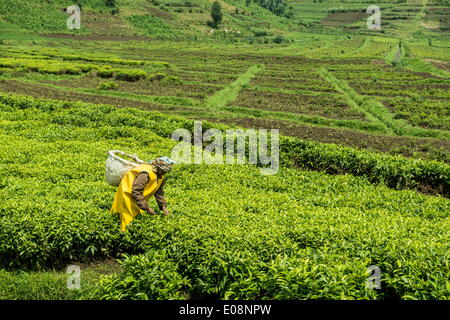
[
  {"x": 44, "y": 92},
  {"x": 389, "y": 144}
]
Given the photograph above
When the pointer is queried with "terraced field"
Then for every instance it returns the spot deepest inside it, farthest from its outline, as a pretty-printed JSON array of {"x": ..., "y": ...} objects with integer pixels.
[{"x": 364, "y": 152}]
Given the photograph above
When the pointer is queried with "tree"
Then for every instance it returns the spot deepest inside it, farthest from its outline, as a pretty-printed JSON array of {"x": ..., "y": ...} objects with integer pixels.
[{"x": 216, "y": 14}]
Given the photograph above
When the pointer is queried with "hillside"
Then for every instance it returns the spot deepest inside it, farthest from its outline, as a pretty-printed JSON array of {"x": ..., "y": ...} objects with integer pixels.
[
  {"x": 242, "y": 20},
  {"x": 244, "y": 237},
  {"x": 167, "y": 19},
  {"x": 364, "y": 149}
]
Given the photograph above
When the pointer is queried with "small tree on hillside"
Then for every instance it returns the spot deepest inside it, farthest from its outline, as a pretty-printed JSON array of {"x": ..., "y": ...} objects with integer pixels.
[
  {"x": 216, "y": 14},
  {"x": 110, "y": 3}
]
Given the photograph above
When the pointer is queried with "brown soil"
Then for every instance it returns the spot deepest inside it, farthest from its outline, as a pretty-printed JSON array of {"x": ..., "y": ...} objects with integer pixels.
[
  {"x": 106, "y": 24},
  {"x": 204, "y": 77},
  {"x": 44, "y": 92},
  {"x": 387, "y": 89},
  {"x": 160, "y": 13},
  {"x": 441, "y": 64},
  {"x": 408, "y": 147},
  {"x": 333, "y": 107},
  {"x": 317, "y": 85},
  {"x": 146, "y": 86},
  {"x": 342, "y": 18},
  {"x": 101, "y": 267}
]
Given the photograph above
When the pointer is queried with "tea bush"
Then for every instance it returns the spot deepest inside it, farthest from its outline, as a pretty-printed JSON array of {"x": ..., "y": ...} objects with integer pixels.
[
  {"x": 394, "y": 171},
  {"x": 108, "y": 85},
  {"x": 157, "y": 76},
  {"x": 232, "y": 234},
  {"x": 130, "y": 75},
  {"x": 105, "y": 73},
  {"x": 171, "y": 80},
  {"x": 42, "y": 66},
  {"x": 148, "y": 276}
]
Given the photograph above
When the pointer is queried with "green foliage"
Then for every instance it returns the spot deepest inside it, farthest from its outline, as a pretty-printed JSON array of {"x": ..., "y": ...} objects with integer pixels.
[
  {"x": 110, "y": 3},
  {"x": 276, "y": 6},
  {"x": 279, "y": 39},
  {"x": 294, "y": 235},
  {"x": 216, "y": 14},
  {"x": 260, "y": 33},
  {"x": 130, "y": 75},
  {"x": 171, "y": 80},
  {"x": 418, "y": 65},
  {"x": 376, "y": 111},
  {"x": 154, "y": 27},
  {"x": 157, "y": 76},
  {"x": 152, "y": 275},
  {"x": 108, "y": 85},
  {"x": 395, "y": 172},
  {"x": 105, "y": 73},
  {"x": 42, "y": 66},
  {"x": 44, "y": 285}
]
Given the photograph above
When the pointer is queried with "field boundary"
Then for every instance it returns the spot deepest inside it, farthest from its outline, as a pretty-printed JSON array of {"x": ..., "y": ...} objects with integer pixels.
[
  {"x": 381, "y": 113},
  {"x": 229, "y": 94},
  {"x": 395, "y": 172},
  {"x": 352, "y": 98},
  {"x": 317, "y": 121}
]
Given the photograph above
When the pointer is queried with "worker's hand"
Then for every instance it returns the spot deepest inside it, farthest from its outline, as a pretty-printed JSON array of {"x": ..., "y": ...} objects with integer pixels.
[
  {"x": 150, "y": 211},
  {"x": 166, "y": 212}
]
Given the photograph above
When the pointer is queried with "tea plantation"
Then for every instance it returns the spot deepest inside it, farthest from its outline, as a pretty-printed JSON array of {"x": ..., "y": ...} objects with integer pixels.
[
  {"x": 364, "y": 178},
  {"x": 232, "y": 234}
]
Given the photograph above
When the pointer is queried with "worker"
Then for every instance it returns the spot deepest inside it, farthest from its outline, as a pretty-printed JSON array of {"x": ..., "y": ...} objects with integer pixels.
[{"x": 137, "y": 186}]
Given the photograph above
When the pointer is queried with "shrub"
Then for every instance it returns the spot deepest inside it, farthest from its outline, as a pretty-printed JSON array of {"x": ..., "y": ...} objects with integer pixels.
[
  {"x": 108, "y": 85},
  {"x": 105, "y": 73},
  {"x": 296, "y": 235},
  {"x": 131, "y": 75},
  {"x": 260, "y": 33},
  {"x": 279, "y": 39},
  {"x": 149, "y": 276},
  {"x": 157, "y": 76},
  {"x": 216, "y": 14},
  {"x": 171, "y": 80}
]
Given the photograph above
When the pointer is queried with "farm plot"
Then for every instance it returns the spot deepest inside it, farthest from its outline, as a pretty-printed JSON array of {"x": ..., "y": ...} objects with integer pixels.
[
  {"x": 205, "y": 77},
  {"x": 428, "y": 113},
  {"x": 292, "y": 80},
  {"x": 328, "y": 106},
  {"x": 43, "y": 91},
  {"x": 418, "y": 98},
  {"x": 389, "y": 89},
  {"x": 168, "y": 86},
  {"x": 315, "y": 85},
  {"x": 333, "y": 227},
  {"x": 383, "y": 73},
  {"x": 432, "y": 149},
  {"x": 343, "y": 18}
]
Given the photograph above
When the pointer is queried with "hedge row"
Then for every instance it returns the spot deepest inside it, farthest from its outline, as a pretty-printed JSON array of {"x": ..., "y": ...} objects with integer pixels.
[
  {"x": 394, "y": 171},
  {"x": 233, "y": 233}
]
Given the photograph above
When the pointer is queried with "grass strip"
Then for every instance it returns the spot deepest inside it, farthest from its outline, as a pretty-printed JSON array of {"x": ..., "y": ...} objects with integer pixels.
[
  {"x": 380, "y": 113},
  {"x": 229, "y": 94}
]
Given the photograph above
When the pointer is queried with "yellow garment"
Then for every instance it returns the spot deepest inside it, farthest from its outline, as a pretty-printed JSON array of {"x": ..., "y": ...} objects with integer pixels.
[{"x": 124, "y": 203}]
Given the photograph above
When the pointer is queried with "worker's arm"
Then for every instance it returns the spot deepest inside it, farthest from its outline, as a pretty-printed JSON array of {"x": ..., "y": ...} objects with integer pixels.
[
  {"x": 160, "y": 199},
  {"x": 139, "y": 184}
]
